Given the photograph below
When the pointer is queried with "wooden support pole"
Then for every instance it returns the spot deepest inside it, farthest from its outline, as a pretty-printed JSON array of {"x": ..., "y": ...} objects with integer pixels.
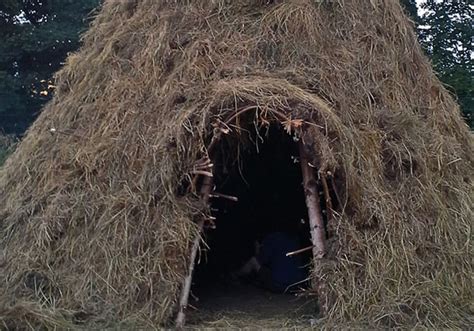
[
  {"x": 316, "y": 223},
  {"x": 206, "y": 189}
]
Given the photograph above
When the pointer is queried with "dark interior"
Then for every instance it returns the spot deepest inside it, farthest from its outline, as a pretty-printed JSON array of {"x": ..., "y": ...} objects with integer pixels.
[{"x": 259, "y": 168}]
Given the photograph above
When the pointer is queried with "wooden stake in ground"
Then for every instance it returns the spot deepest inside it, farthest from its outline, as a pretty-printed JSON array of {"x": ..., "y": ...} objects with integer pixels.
[
  {"x": 316, "y": 223},
  {"x": 206, "y": 190}
]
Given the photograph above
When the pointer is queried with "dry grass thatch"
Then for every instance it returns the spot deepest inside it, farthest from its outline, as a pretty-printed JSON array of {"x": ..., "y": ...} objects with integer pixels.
[{"x": 92, "y": 227}]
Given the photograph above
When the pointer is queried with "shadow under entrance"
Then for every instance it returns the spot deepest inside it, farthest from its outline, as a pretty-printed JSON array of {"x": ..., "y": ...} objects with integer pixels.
[{"x": 245, "y": 266}]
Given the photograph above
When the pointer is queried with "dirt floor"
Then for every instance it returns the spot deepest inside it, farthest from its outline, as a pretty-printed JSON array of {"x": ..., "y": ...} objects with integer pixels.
[{"x": 245, "y": 306}]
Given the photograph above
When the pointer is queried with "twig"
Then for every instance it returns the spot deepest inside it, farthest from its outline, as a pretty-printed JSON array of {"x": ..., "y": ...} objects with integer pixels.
[
  {"x": 204, "y": 163},
  {"x": 234, "y": 116},
  {"x": 223, "y": 196},
  {"x": 300, "y": 251},
  {"x": 195, "y": 298},
  {"x": 202, "y": 172},
  {"x": 191, "y": 306},
  {"x": 203, "y": 166},
  {"x": 210, "y": 225},
  {"x": 334, "y": 189},
  {"x": 327, "y": 197},
  {"x": 54, "y": 130}
]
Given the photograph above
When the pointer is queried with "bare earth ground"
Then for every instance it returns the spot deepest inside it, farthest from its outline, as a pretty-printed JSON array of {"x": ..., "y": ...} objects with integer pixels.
[{"x": 245, "y": 306}]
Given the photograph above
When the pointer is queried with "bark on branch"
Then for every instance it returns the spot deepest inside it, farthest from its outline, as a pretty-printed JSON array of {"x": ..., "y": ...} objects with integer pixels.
[
  {"x": 206, "y": 189},
  {"x": 318, "y": 236},
  {"x": 312, "y": 203}
]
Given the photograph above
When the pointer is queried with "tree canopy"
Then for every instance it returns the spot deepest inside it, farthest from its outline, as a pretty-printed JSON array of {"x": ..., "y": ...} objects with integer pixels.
[
  {"x": 411, "y": 8},
  {"x": 36, "y": 37},
  {"x": 446, "y": 34}
]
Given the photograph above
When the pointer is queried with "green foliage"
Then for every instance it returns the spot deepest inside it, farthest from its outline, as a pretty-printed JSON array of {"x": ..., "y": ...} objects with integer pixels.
[
  {"x": 446, "y": 34},
  {"x": 7, "y": 145},
  {"x": 411, "y": 9},
  {"x": 36, "y": 37},
  {"x": 3, "y": 155}
]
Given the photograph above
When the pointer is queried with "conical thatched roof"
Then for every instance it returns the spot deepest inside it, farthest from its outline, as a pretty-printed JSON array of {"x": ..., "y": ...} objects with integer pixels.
[{"x": 91, "y": 223}]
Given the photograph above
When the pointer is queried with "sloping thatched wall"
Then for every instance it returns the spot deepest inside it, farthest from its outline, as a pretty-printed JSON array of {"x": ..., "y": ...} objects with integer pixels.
[{"x": 91, "y": 223}]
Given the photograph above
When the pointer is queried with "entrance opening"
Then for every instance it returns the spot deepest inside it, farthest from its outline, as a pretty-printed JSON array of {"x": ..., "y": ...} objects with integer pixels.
[{"x": 261, "y": 169}]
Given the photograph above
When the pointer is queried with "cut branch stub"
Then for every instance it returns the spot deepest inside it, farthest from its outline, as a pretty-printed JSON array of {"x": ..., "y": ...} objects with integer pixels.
[
  {"x": 302, "y": 250},
  {"x": 223, "y": 196}
]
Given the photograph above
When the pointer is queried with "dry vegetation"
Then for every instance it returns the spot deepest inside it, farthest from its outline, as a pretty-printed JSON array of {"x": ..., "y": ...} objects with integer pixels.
[{"x": 92, "y": 228}]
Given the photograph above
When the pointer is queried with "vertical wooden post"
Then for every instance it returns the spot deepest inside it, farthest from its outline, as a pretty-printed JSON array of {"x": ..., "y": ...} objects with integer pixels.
[
  {"x": 206, "y": 190},
  {"x": 316, "y": 223}
]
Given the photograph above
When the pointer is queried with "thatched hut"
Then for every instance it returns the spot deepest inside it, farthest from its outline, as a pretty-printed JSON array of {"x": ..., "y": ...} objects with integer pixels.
[{"x": 100, "y": 204}]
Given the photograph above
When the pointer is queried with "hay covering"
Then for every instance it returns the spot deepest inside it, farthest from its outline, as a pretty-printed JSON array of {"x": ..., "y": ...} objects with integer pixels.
[{"x": 92, "y": 227}]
